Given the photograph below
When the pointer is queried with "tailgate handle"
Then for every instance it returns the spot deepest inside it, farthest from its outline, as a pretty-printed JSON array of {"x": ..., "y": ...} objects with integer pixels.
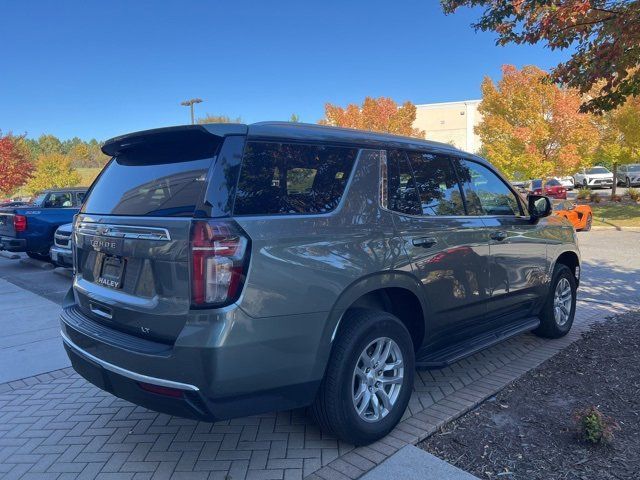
[{"x": 101, "y": 311}]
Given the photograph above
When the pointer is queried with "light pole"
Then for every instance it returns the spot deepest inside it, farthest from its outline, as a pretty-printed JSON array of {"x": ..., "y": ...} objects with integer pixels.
[{"x": 189, "y": 103}]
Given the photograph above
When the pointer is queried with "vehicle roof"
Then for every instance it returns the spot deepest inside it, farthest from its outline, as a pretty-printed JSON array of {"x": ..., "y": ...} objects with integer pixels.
[{"x": 281, "y": 130}]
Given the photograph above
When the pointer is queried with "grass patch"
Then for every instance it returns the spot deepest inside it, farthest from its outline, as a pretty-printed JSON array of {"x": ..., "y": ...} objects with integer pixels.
[
  {"x": 88, "y": 175},
  {"x": 616, "y": 215}
]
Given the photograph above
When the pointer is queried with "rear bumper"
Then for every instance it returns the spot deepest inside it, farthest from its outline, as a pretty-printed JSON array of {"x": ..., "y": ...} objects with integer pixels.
[
  {"x": 13, "y": 244},
  {"x": 210, "y": 382},
  {"x": 62, "y": 257}
]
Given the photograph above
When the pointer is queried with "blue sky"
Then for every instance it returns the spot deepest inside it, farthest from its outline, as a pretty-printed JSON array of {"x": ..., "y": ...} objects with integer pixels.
[{"x": 102, "y": 68}]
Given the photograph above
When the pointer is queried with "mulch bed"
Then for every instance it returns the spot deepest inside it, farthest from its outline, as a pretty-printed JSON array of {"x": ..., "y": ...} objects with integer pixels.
[{"x": 528, "y": 430}]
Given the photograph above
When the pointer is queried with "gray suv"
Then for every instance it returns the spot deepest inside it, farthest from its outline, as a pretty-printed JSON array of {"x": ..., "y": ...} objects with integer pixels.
[{"x": 225, "y": 270}]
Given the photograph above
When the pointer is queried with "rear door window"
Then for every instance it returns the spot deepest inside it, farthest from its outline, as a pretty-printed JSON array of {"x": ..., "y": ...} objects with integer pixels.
[
  {"x": 437, "y": 184},
  {"x": 284, "y": 178},
  {"x": 402, "y": 192}
]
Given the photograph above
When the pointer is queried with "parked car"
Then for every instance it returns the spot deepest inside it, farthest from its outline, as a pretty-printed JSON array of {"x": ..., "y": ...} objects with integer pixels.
[
  {"x": 567, "y": 182},
  {"x": 580, "y": 216},
  {"x": 227, "y": 270},
  {"x": 61, "y": 252},
  {"x": 521, "y": 187},
  {"x": 594, "y": 177},
  {"x": 628, "y": 175},
  {"x": 30, "y": 228},
  {"x": 552, "y": 188}
]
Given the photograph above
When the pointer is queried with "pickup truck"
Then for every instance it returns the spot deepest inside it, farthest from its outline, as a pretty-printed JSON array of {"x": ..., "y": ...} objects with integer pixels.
[{"x": 31, "y": 228}]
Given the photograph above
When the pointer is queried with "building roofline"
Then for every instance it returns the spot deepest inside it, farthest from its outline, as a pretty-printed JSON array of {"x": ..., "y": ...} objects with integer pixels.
[{"x": 427, "y": 106}]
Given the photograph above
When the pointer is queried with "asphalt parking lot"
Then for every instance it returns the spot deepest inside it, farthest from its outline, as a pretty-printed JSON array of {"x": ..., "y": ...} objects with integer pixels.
[{"x": 56, "y": 425}]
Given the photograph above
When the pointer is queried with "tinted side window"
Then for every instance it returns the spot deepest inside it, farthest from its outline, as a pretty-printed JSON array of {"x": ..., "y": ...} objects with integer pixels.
[
  {"x": 401, "y": 186},
  {"x": 59, "y": 200},
  {"x": 437, "y": 184},
  {"x": 485, "y": 192},
  {"x": 282, "y": 178}
]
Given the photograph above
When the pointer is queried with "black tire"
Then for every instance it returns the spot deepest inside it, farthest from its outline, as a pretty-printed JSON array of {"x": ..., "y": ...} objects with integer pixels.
[
  {"x": 334, "y": 408},
  {"x": 39, "y": 256},
  {"x": 587, "y": 226},
  {"x": 549, "y": 326},
  {"x": 585, "y": 184}
]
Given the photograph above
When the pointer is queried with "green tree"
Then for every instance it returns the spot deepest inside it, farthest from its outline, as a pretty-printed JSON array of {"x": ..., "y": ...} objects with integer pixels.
[
  {"x": 604, "y": 36},
  {"x": 531, "y": 128},
  {"x": 218, "y": 119},
  {"x": 295, "y": 118},
  {"x": 619, "y": 137},
  {"x": 49, "y": 144},
  {"x": 53, "y": 171}
]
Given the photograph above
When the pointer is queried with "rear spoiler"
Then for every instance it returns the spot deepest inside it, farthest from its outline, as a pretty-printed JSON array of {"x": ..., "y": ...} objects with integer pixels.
[{"x": 185, "y": 133}]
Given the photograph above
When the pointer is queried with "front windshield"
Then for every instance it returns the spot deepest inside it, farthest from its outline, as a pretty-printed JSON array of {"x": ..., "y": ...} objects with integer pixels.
[
  {"x": 39, "y": 200},
  {"x": 598, "y": 170},
  {"x": 553, "y": 182},
  {"x": 634, "y": 168}
]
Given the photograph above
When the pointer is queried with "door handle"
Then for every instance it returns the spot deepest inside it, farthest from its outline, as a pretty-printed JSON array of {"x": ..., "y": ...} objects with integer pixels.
[
  {"x": 424, "y": 242},
  {"x": 500, "y": 235}
]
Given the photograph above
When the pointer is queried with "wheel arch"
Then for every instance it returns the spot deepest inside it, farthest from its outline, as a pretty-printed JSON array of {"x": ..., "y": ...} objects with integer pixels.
[
  {"x": 396, "y": 292},
  {"x": 572, "y": 260}
]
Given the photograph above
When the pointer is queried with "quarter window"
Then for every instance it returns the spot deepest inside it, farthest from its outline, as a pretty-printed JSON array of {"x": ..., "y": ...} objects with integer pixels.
[
  {"x": 485, "y": 192},
  {"x": 283, "y": 178}
]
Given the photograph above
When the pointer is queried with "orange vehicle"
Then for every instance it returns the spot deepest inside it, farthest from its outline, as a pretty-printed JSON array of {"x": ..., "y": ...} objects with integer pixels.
[{"x": 580, "y": 216}]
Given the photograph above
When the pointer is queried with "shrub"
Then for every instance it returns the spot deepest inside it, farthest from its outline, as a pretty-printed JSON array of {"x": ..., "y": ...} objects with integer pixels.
[
  {"x": 634, "y": 194},
  {"x": 616, "y": 198},
  {"x": 584, "y": 193},
  {"x": 595, "y": 427},
  {"x": 595, "y": 197}
]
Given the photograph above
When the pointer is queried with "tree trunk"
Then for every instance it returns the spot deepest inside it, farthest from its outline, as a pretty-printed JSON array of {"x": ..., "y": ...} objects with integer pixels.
[{"x": 615, "y": 179}]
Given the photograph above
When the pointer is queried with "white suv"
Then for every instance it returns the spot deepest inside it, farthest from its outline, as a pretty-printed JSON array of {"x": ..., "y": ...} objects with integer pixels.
[{"x": 594, "y": 177}]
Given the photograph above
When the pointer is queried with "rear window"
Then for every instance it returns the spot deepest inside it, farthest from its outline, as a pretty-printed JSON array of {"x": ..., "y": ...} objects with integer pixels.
[
  {"x": 283, "y": 178},
  {"x": 156, "y": 178}
]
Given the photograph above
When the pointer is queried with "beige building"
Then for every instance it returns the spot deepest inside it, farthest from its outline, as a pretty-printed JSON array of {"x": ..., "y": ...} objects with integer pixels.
[{"x": 450, "y": 122}]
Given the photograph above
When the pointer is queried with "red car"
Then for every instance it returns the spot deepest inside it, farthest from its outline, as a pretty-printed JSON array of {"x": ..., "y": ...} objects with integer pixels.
[{"x": 552, "y": 188}]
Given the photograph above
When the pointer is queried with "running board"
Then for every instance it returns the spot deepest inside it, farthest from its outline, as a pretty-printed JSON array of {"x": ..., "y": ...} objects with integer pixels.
[{"x": 446, "y": 356}]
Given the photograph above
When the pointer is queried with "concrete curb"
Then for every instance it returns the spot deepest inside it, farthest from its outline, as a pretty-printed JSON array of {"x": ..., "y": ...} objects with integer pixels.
[
  {"x": 625, "y": 229},
  {"x": 37, "y": 263},
  {"x": 9, "y": 255}
]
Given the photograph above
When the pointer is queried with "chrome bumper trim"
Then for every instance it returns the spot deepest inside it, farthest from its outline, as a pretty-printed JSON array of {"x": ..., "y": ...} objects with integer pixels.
[{"x": 124, "y": 372}]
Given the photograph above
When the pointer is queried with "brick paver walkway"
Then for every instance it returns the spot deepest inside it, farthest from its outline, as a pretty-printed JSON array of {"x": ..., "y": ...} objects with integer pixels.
[{"x": 57, "y": 426}]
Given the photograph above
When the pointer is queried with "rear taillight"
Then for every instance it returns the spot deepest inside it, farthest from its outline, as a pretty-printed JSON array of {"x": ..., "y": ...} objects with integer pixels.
[
  {"x": 219, "y": 256},
  {"x": 19, "y": 223}
]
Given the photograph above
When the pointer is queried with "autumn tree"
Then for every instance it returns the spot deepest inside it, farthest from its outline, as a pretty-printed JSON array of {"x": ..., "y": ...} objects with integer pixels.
[
  {"x": 531, "y": 128},
  {"x": 218, "y": 119},
  {"x": 619, "y": 136},
  {"x": 604, "y": 36},
  {"x": 15, "y": 165},
  {"x": 53, "y": 171},
  {"x": 375, "y": 114}
]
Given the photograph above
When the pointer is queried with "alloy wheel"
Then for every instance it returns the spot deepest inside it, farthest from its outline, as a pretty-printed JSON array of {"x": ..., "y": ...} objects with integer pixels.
[
  {"x": 377, "y": 379},
  {"x": 562, "y": 300}
]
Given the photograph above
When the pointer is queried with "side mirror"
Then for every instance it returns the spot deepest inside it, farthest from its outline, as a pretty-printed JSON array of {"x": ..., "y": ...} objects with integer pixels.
[{"x": 539, "y": 206}]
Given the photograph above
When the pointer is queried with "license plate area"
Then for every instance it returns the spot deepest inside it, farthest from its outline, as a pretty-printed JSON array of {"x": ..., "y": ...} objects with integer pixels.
[{"x": 112, "y": 271}]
